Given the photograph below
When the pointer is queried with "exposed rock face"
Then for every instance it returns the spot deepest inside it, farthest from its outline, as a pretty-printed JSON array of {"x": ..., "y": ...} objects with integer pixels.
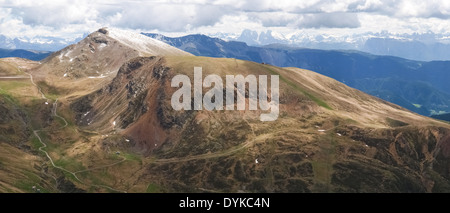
[
  {"x": 133, "y": 91},
  {"x": 135, "y": 102},
  {"x": 103, "y": 30},
  {"x": 66, "y": 186}
]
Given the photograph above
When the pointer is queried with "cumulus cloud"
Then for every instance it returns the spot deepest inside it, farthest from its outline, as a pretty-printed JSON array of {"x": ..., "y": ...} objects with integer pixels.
[
  {"x": 53, "y": 13},
  {"x": 424, "y": 9},
  {"x": 162, "y": 15},
  {"x": 195, "y": 16},
  {"x": 330, "y": 20},
  {"x": 273, "y": 19},
  {"x": 169, "y": 16}
]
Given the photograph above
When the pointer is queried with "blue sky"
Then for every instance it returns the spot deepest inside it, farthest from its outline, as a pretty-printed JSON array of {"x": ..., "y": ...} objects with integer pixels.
[{"x": 70, "y": 19}]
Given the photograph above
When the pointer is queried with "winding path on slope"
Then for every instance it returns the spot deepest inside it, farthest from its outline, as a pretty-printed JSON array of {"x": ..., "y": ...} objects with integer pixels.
[{"x": 44, "y": 145}]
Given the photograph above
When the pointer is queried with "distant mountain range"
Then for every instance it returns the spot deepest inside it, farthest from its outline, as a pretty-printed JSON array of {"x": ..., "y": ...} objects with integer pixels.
[
  {"x": 444, "y": 117},
  {"x": 47, "y": 43},
  {"x": 28, "y": 54},
  {"x": 418, "y": 86},
  {"x": 414, "y": 50},
  {"x": 421, "y": 47}
]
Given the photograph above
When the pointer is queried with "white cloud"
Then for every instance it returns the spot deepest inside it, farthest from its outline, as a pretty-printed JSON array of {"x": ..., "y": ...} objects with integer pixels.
[
  {"x": 330, "y": 20},
  {"x": 72, "y": 18},
  {"x": 273, "y": 19},
  {"x": 169, "y": 16},
  {"x": 369, "y": 5},
  {"x": 53, "y": 13}
]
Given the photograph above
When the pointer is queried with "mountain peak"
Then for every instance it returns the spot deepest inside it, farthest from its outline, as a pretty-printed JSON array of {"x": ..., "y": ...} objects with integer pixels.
[
  {"x": 102, "y": 52},
  {"x": 145, "y": 45}
]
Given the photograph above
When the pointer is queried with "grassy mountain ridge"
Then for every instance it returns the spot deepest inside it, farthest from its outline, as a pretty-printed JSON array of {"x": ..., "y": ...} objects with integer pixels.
[{"x": 349, "y": 67}]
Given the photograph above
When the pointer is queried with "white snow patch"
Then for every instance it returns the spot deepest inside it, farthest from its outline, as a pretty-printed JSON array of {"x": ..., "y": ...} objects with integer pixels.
[
  {"x": 321, "y": 130},
  {"x": 114, "y": 123},
  {"x": 86, "y": 113},
  {"x": 64, "y": 55},
  {"x": 339, "y": 134},
  {"x": 67, "y": 54},
  {"x": 220, "y": 46},
  {"x": 101, "y": 76},
  {"x": 277, "y": 35},
  {"x": 65, "y": 75},
  {"x": 145, "y": 45},
  {"x": 256, "y": 161},
  {"x": 101, "y": 46},
  {"x": 127, "y": 140},
  {"x": 46, "y": 103}
]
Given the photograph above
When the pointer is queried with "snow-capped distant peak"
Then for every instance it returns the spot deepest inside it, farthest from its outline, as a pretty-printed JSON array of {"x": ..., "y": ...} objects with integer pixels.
[
  {"x": 145, "y": 45},
  {"x": 278, "y": 35}
]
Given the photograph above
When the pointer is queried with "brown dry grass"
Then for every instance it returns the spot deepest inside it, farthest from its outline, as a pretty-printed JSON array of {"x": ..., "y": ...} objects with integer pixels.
[{"x": 309, "y": 102}]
